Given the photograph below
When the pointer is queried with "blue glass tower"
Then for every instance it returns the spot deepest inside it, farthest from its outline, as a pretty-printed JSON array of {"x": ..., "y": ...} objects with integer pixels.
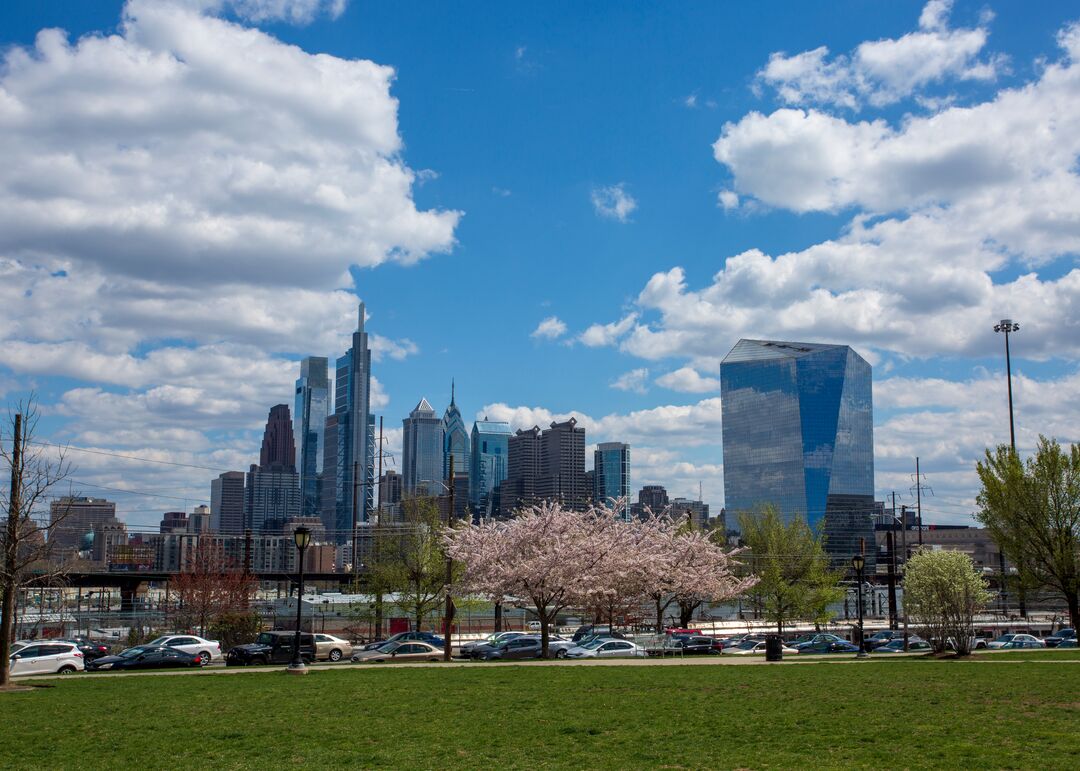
[
  {"x": 422, "y": 451},
  {"x": 611, "y": 474},
  {"x": 455, "y": 439},
  {"x": 487, "y": 469},
  {"x": 355, "y": 434},
  {"x": 798, "y": 434},
  {"x": 309, "y": 429}
]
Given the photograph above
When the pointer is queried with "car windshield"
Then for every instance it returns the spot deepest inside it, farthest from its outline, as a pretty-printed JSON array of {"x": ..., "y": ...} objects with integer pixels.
[
  {"x": 1005, "y": 638},
  {"x": 593, "y": 644},
  {"x": 803, "y": 638},
  {"x": 747, "y": 645},
  {"x": 389, "y": 647},
  {"x": 265, "y": 639},
  {"x": 158, "y": 641},
  {"x": 131, "y": 653}
]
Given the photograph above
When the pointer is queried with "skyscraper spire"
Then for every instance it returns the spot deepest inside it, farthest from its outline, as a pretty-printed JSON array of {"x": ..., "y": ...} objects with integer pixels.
[{"x": 452, "y": 391}]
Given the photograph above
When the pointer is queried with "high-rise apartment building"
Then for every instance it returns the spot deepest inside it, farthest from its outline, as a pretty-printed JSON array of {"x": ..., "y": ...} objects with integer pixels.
[
  {"x": 546, "y": 465},
  {"x": 72, "y": 518},
  {"x": 696, "y": 511},
  {"x": 487, "y": 465},
  {"x": 278, "y": 446},
  {"x": 390, "y": 487},
  {"x": 455, "y": 438},
  {"x": 227, "y": 503},
  {"x": 355, "y": 428},
  {"x": 422, "y": 451},
  {"x": 522, "y": 471},
  {"x": 798, "y": 434},
  {"x": 654, "y": 498},
  {"x": 562, "y": 465},
  {"x": 611, "y": 475},
  {"x": 311, "y": 408}
]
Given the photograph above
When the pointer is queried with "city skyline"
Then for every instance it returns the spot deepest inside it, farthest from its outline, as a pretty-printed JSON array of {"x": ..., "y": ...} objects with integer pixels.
[{"x": 823, "y": 192}]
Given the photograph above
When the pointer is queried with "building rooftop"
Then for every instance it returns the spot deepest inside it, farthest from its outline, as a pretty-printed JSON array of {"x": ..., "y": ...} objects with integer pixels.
[{"x": 759, "y": 350}]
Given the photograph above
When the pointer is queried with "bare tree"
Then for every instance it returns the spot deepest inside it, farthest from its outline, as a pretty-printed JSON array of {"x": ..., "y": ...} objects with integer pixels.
[
  {"x": 26, "y": 541},
  {"x": 210, "y": 586}
]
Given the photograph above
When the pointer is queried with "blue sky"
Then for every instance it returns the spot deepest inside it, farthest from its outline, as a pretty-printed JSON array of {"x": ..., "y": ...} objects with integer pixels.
[{"x": 192, "y": 204}]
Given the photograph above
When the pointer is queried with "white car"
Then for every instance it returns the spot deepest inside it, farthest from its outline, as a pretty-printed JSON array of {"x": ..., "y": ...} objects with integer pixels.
[
  {"x": 47, "y": 658},
  {"x": 606, "y": 649},
  {"x": 1016, "y": 641},
  {"x": 205, "y": 650},
  {"x": 751, "y": 648}
]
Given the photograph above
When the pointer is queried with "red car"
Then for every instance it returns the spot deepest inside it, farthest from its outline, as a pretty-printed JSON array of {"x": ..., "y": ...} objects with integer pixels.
[{"x": 679, "y": 632}]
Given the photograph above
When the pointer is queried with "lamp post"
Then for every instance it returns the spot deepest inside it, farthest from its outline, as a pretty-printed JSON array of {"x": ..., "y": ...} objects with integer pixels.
[
  {"x": 302, "y": 537},
  {"x": 859, "y": 562},
  {"x": 1007, "y": 326}
]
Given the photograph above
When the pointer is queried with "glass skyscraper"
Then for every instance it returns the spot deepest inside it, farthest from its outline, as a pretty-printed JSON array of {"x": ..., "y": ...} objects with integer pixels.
[
  {"x": 455, "y": 439},
  {"x": 611, "y": 474},
  {"x": 487, "y": 464},
  {"x": 309, "y": 429},
  {"x": 798, "y": 434},
  {"x": 422, "y": 451},
  {"x": 355, "y": 429}
]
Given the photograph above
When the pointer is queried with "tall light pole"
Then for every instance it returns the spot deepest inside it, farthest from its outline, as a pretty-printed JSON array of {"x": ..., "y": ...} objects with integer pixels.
[
  {"x": 859, "y": 562},
  {"x": 301, "y": 537},
  {"x": 1008, "y": 326}
]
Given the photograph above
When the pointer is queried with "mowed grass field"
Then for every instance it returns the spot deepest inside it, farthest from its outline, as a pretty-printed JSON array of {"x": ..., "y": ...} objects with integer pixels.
[{"x": 895, "y": 713}]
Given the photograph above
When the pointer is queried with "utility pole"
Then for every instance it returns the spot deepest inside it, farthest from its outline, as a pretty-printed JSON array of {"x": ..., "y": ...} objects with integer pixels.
[
  {"x": 918, "y": 498},
  {"x": 448, "y": 614},
  {"x": 903, "y": 548},
  {"x": 378, "y": 525},
  {"x": 891, "y": 543},
  {"x": 355, "y": 552},
  {"x": 11, "y": 551}
]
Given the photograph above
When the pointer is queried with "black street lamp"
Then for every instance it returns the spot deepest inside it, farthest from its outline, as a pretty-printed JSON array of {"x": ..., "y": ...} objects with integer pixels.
[
  {"x": 859, "y": 562},
  {"x": 1007, "y": 326},
  {"x": 302, "y": 537}
]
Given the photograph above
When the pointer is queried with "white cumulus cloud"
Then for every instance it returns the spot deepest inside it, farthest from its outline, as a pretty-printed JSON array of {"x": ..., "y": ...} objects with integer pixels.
[
  {"x": 550, "y": 328},
  {"x": 613, "y": 202}
]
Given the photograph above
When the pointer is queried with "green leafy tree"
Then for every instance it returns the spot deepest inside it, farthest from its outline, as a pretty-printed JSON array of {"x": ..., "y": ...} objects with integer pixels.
[
  {"x": 1032, "y": 510},
  {"x": 412, "y": 562},
  {"x": 235, "y": 628},
  {"x": 789, "y": 560},
  {"x": 943, "y": 591}
]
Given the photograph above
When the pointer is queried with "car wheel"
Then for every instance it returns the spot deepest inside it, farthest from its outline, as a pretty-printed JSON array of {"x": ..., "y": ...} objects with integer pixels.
[
  {"x": 67, "y": 670},
  {"x": 203, "y": 658},
  {"x": 260, "y": 660},
  {"x": 560, "y": 654},
  {"x": 432, "y": 659},
  {"x": 335, "y": 655}
]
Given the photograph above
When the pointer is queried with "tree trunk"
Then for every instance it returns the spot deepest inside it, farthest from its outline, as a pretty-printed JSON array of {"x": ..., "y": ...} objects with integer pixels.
[
  {"x": 498, "y": 616},
  {"x": 659, "y": 617},
  {"x": 544, "y": 633},
  {"x": 7, "y": 616},
  {"x": 686, "y": 613},
  {"x": 1073, "y": 598}
]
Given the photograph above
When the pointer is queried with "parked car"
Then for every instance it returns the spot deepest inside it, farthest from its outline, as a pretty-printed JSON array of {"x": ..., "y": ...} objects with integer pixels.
[
  {"x": 428, "y": 637},
  {"x": 204, "y": 650},
  {"x": 606, "y": 649},
  {"x": 330, "y": 648},
  {"x": 731, "y": 642},
  {"x": 1068, "y": 643},
  {"x": 467, "y": 648},
  {"x": 558, "y": 646},
  {"x": 815, "y": 639},
  {"x": 1010, "y": 641},
  {"x": 827, "y": 646},
  {"x": 90, "y": 650},
  {"x": 145, "y": 657},
  {"x": 696, "y": 645},
  {"x": 534, "y": 626},
  {"x": 754, "y": 648},
  {"x": 271, "y": 648},
  {"x": 15, "y": 646},
  {"x": 896, "y": 645},
  {"x": 517, "y": 648},
  {"x": 882, "y": 637},
  {"x": 47, "y": 658},
  {"x": 590, "y": 630},
  {"x": 677, "y": 631},
  {"x": 1054, "y": 640},
  {"x": 409, "y": 650}
]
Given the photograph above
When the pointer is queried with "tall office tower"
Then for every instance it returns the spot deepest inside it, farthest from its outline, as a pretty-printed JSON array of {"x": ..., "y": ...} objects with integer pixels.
[
  {"x": 696, "y": 511},
  {"x": 227, "y": 503},
  {"x": 562, "y": 465},
  {"x": 455, "y": 439},
  {"x": 309, "y": 429},
  {"x": 355, "y": 435},
  {"x": 487, "y": 465},
  {"x": 522, "y": 471},
  {"x": 278, "y": 445},
  {"x": 798, "y": 434},
  {"x": 328, "y": 479},
  {"x": 72, "y": 518},
  {"x": 173, "y": 522},
  {"x": 422, "y": 451},
  {"x": 611, "y": 475},
  {"x": 390, "y": 487},
  {"x": 198, "y": 521}
]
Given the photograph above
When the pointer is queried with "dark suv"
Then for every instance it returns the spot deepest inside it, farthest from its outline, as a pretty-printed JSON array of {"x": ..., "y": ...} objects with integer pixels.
[{"x": 271, "y": 648}]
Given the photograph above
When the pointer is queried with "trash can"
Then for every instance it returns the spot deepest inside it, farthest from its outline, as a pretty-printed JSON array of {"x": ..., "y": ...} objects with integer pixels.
[{"x": 774, "y": 648}]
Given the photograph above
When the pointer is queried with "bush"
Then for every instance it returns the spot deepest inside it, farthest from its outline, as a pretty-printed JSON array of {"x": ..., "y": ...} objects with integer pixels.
[
  {"x": 234, "y": 628},
  {"x": 943, "y": 591}
]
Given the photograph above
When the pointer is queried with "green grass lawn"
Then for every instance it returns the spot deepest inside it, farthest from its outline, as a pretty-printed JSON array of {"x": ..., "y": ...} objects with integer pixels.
[{"x": 896, "y": 713}]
